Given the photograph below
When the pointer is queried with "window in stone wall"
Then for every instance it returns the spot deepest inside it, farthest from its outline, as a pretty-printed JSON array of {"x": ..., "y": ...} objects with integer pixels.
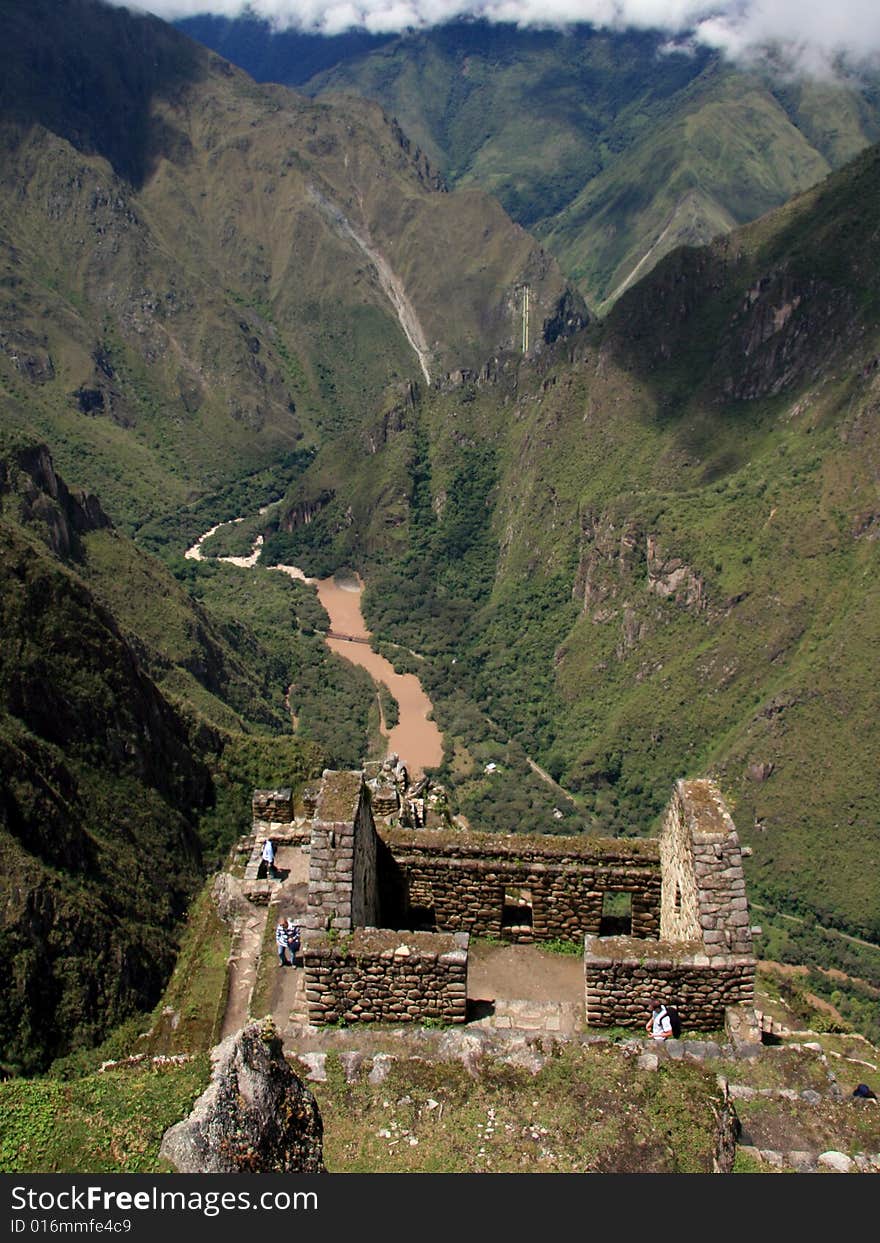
[
  {"x": 677, "y": 903},
  {"x": 422, "y": 915},
  {"x": 517, "y": 911},
  {"x": 616, "y": 915}
]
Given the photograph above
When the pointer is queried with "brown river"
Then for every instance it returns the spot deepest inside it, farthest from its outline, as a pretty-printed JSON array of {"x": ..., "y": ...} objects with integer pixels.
[{"x": 415, "y": 738}]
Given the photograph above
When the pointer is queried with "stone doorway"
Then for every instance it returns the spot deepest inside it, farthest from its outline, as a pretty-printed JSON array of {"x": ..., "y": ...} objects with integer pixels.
[{"x": 517, "y": 914}]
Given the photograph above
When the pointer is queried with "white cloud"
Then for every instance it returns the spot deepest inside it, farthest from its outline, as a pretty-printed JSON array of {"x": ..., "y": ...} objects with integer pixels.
[{"x": 809, "y": 34}]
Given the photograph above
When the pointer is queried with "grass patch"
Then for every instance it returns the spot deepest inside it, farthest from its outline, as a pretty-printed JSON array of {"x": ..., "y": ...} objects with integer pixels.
[
  {"x": 113, "y": 1122},
  {"x": 573, "y": 948},
  {"x": 267, "y": 965},
  {"x": 190, "y": 1014},
  {"x": 587, "y": 1110}
]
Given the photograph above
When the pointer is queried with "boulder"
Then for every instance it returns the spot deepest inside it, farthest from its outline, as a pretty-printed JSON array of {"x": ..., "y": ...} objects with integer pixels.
[
  {"x": 837, "y": 1161},
  {"x": 381, "y": 1068},
  {"x": 255, "y": 1116}
]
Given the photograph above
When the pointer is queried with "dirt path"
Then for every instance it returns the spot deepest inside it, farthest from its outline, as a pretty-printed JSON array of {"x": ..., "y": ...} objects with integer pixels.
[
  {"x": 545, "y": 776},
  {"x": 287, "y": 997},
  {"x": 243, "y": 971},
  {"x": 287, "y": 994}
]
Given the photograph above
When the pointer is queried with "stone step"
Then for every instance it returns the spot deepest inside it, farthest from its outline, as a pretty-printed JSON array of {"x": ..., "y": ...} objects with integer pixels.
[{"x": 525, "y": 1014}]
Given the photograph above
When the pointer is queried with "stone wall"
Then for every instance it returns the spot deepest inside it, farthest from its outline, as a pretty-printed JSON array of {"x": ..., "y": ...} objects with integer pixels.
[
  {"x": 704, "y": 891},
  {"x": 623, "y": 975},
  {"x": 342, "y": 856},
  {"x": 382, "y": 976},
  {"x": 703, "y": 962},
  {"x": 275, "y": 815},
  {"x": 274, "y": 806},
  {"x": 559, "y": 881}
]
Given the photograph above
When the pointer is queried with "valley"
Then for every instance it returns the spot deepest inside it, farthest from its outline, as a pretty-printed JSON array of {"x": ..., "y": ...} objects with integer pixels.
[
  {"x": 414, "y": 736},
  {"x": 288, "y": 482}
]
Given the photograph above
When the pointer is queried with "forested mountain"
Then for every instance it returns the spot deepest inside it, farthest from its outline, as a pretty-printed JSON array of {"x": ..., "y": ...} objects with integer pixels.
[
  {"x": 612, "y": 147},
  {"x": 200, "y": 274},
  {"x": 645, "y": 549},
  {"x": 201, "y": 280},
  {"x": 654, "y": 550}
]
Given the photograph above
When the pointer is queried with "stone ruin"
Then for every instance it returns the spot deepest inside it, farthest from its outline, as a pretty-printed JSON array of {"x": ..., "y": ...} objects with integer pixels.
[
  {"x": 391, "y": 909},
  {"x": 703, "y": 957},
  {"x": 395, "y": 799}
]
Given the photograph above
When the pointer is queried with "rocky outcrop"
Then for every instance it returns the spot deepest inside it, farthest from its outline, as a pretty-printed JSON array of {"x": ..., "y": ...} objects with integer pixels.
[
  {"x": 569, "y": 316},
  {"x": 255, "y": 1117},
  {"x": 619, "y": 559},
  {"x": 396, "y": 417},
  {"x": 305, "y": 511},
  {"x": 671, "y": 578},
  {"x": 727, "y": 1129},
  {"x": 44, "y": 500},
  {"x": 612, "y": 554}
]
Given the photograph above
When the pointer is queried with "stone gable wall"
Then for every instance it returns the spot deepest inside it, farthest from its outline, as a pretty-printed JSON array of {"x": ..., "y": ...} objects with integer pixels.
[
  {"x": 376, "y": 976},
  {"x": 275, "y": 806},
  {"x": 463, "y": 880},
  {"x": 365, "y": 894},
  {"x": 704, "y": 891},
  {"x": 342, "y": 856}
]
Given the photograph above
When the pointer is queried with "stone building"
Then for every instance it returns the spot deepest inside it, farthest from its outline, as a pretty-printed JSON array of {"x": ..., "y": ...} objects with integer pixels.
[{"x": 390, "y": 911}]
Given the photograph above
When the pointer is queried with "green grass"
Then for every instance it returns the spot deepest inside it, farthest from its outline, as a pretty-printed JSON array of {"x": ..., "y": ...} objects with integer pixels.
[
  {"x": 107, "y": 1123},
  {"x": 189, "y": 1017},
  {"x": 267, "y": 966},
  {"x": 573, "y": 948},
  {"x": 587, "y": 1110}
]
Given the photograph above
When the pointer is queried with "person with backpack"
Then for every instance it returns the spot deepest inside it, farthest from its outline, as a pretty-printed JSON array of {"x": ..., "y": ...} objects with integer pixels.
[
  {"x": 660, "y": 1024},
  {"x": 282, "y": 933},
  {"x": 293, "y": 941}
]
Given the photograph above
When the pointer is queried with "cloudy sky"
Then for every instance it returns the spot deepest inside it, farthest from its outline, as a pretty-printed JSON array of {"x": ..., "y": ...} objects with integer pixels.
[{"x": 811, "y": 32}]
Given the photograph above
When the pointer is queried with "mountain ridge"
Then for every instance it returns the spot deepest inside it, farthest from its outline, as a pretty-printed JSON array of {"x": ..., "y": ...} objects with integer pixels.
[{"x": 608, "y": 145}]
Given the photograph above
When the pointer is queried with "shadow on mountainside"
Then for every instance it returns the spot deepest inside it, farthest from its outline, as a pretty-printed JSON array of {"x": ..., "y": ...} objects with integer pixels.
[{"x": 90, "y": 74}]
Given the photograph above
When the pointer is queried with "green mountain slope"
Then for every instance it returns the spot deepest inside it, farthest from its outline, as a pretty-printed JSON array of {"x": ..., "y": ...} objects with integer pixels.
[
  {"x": 610, "y": 148},
  {"x": 133, "y": 726},
  {"x": 200, "y": 274},
  {"x": 654, "y": 552}
]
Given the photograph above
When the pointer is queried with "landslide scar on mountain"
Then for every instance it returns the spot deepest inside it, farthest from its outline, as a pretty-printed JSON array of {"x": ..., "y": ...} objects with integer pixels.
[{"x": 390, "y": 283}]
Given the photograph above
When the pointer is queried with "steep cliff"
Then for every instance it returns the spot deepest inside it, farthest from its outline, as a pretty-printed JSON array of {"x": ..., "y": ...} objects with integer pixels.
[{"x": 105, "y": 779}]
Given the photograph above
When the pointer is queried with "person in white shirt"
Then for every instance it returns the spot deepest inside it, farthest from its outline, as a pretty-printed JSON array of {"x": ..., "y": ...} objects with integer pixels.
[
  {"x": 268, "y": 857},
  {"x": 659, "y": 1024},
  {"x": 281, "y": 943}
]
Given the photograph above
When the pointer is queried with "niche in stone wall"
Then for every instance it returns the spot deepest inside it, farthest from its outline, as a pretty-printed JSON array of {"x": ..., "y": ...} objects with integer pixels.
[
  {"x": 616, "y": 915},
  {"x": 517, "y": 914}
]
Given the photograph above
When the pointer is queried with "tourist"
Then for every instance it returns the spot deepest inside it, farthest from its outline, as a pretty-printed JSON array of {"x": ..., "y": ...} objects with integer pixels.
[
  {"x": 268, "y": 858},
  {"x": 282, "y": 933},
  {"x": 659, "y": 1024}
]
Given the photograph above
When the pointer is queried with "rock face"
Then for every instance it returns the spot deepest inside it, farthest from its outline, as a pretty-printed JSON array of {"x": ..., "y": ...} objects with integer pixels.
[{"x": 255, "y": 1117}]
